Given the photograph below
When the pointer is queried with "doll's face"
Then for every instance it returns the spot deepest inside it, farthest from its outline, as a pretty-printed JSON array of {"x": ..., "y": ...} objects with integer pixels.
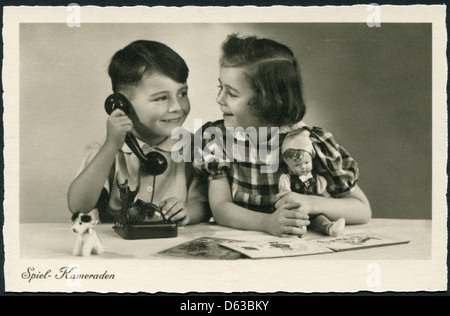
[{"x": 301, "y": 166}]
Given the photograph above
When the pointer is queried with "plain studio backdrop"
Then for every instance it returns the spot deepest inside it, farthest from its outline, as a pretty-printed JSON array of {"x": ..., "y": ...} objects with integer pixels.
[{"x": 369, "y": 86}]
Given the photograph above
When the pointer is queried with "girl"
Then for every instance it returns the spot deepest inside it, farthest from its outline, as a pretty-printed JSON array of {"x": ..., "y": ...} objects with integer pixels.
[{"x": 260, "y": 87}]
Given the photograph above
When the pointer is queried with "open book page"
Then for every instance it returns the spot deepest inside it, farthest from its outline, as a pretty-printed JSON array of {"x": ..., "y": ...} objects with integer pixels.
[
  {"x": 279, "y": 247},
  {"x": 288, "y": 247},
  {"x": 203, "y": 248},
  {"x": 356, "y": 240},
  {"x": 229, "y": 249}
]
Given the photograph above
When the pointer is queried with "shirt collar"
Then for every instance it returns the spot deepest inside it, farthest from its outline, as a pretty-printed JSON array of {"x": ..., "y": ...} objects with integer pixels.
[
  {"x": 166, "y": 145},
  {"x": 289, "y": 128},
  {"x": 284, "y": 129}
]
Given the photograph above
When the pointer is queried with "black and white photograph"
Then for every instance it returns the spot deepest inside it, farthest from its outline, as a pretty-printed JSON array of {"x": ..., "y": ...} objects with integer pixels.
[{"x": 225, "y": 149}]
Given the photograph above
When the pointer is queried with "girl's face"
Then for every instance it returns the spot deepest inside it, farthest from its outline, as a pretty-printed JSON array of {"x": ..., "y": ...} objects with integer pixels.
[
  {"x": 161, "y": 105},
  {"x": 234, "y": 97}
]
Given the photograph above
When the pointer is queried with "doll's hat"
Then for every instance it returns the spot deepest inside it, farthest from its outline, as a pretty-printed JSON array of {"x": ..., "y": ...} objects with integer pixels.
[{"x": 298, "y": 139}]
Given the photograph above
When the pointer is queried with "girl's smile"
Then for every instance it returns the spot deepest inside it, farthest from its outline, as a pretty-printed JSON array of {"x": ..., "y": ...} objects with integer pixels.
[{"x": 234, "y": 98}]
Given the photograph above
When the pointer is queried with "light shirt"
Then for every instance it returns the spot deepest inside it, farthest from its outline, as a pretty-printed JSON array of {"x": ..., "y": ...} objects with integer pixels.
[{"x": 177, "y": 181}]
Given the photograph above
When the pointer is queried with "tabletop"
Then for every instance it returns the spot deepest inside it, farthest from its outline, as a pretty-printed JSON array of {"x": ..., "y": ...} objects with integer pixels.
[{"x": 56, "y": 241}]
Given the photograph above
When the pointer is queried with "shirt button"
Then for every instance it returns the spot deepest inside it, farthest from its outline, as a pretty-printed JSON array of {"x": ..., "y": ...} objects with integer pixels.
[{"x": 149, "y": 189}]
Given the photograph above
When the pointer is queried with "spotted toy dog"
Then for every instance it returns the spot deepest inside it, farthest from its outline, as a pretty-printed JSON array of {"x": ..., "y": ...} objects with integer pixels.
[{"x": 88, "y": 241}]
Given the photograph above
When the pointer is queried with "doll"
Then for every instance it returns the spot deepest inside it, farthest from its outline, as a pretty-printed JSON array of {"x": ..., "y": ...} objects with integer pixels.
[{"x": 297, "y": 152}]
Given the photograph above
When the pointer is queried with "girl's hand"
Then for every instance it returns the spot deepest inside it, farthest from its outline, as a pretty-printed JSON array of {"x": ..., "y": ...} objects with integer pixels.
[
  {"x": 117, "y": 127},
  {"x": 306, "y": 202},
  {"x": 287, "y": 220},
  {"x": 173, "y": 210}
]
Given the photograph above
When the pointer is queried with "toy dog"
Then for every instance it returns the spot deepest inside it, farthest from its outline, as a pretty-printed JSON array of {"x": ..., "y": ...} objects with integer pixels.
[{"x": 88, "y": 241}]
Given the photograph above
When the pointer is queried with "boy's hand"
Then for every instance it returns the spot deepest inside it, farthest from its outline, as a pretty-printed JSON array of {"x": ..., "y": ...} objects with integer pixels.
[
  {"x": 174, "y": 211},
  {"x": 118, "y": 126},
  {"x": 288, "y": 220}
]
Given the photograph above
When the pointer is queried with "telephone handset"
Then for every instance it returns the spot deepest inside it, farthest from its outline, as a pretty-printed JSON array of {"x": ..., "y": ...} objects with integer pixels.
[
  {"x": 139, "y": 219},
  {"x": 154, "y": 162}
]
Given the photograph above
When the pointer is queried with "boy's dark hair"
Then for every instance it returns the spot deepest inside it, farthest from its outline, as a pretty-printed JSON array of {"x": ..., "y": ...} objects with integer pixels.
[
  {"x": 130, "y": 64},
  {"x": 274, "y": 75}
]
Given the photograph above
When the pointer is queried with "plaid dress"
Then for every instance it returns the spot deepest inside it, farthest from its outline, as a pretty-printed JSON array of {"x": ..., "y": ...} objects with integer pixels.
[{"x": 252, "y": 186}]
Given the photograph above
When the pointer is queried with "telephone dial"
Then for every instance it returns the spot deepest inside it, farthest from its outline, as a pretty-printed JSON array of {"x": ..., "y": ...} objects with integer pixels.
[{"x": 139, "y": 219}]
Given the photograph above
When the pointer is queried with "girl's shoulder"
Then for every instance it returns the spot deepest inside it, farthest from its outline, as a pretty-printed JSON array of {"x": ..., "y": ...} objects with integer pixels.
[
  {"x": 218, "y": 125},
  {"x": 323, "y": 140},
  {"x": 315, "y": 131},
  {"x": 320, "y": 134}
]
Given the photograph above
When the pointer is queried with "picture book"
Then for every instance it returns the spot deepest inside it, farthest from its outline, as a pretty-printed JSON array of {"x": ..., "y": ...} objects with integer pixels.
[
  {"x": 229, "y": 249},
  {"x": 203, "y": 248},
  {"x": 353, "y": 241},
  {"x": 280, "y": 247}
]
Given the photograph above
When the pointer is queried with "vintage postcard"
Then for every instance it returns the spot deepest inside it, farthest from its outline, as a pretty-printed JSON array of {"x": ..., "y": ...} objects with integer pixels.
[{"x": 370, "y": 88}]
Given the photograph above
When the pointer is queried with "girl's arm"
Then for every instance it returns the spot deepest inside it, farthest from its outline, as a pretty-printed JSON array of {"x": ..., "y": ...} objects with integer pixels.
[
  {"x": 354, "y": 206},
  {"x": 87, "y": 186},
  {"x": 285, "y": 220}
]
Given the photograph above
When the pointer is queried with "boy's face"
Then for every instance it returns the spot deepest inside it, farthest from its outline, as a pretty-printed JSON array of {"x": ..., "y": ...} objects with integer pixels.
[
  {"x": 161, "y": 105},
  {"x": 234, "y": 97},
  {"x": 300, "y": 167}
]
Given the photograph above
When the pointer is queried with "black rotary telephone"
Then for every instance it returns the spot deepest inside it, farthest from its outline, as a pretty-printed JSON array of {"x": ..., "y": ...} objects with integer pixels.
[
  {"x": 154, "y": 162},
  {"x": 139, "y": 220}
]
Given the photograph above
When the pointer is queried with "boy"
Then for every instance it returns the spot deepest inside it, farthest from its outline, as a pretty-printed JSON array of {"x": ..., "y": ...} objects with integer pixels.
[{"x": 153, "y": 78}]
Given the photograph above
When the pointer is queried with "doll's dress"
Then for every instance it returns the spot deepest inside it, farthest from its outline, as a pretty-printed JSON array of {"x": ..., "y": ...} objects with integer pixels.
[
  {"x": 310, "y": 185},
  {"x": 303, "y": 184}
]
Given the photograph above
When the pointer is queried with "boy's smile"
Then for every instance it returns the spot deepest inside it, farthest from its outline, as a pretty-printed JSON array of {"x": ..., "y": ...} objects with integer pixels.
[{"x": 161, "y": 104}]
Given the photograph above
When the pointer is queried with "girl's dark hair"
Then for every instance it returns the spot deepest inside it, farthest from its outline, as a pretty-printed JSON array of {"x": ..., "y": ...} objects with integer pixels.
[
  {"x": 274, "y": 75},
  {"x": 130, "y": 64}
]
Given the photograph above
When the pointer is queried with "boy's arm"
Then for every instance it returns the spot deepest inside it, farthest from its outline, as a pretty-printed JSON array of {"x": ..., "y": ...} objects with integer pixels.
[
  {"x": 354, "y": 206},
  {"x": 197, "y": 205},
  {"x": 87, "y": 186},
  {"x": 286, "y": 220},
  {"x": 85, "y": 190},
  {"x": 194, "y": 210}
]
